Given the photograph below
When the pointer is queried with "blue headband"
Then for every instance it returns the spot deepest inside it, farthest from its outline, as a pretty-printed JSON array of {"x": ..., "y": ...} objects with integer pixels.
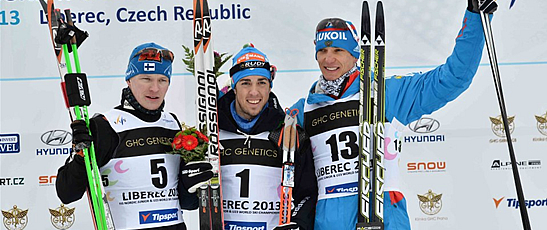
[
  {"x": 335, "y": 32},
  {"x": 149, "y": 58},
  {"x": 250, "y": 55}
]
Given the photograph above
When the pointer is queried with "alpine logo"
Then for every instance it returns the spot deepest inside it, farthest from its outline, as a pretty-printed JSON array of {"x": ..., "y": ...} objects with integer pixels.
[
  {"x": 158, "y": 216},
  {"x": 56, "y": 137},
  {"x": 239, "y": 225},
  {"x": 506, "y": 165},
  {"x": 342, "y": 188}
]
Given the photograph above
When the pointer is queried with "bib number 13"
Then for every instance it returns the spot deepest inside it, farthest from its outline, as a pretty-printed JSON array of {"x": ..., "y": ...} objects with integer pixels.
[{"x": 350, "y": 149}]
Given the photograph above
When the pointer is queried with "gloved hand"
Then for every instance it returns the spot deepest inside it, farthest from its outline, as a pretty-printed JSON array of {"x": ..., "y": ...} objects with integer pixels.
[
  {"x": 195, "y": 174},
  {"x": 289, "y": 226},
  {"x": 488, "y": 6},
  {"x": 80, "y": 135}
]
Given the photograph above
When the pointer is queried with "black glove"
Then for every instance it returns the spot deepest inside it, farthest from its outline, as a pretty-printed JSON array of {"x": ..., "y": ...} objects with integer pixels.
[
  {"x": 289, "y": 226},
  {"x": 488, "y": 6},
  {"x": 80, "y": 135},
  {"x": 195, "y": 174}
]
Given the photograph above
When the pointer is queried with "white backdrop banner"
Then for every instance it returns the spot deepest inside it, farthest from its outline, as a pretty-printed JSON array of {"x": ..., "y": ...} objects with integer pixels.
[{"x": 457, "y": 154}]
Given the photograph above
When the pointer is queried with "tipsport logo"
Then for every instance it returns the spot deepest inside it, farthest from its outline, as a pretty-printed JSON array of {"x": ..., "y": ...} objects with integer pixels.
[
  {"x": 10, "y": 143},
  {"x": 158, "y": 216},
  {"x": 515, "y": 204},
  {"x": 238, "y": 225},
  {"x": 342, "y": 188}
]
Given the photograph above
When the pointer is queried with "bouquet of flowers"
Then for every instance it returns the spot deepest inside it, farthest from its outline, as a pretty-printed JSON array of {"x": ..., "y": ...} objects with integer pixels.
[
  {"x": 190, "y": 144},
  {"x": 220, "y": 59}
]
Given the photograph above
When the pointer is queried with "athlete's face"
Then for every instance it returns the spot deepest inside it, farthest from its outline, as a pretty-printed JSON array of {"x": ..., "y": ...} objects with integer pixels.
[
  {"x": 149, "y": 89},
  {"x": 334, "y": 62},
  {"x": 252, "y": 93}
]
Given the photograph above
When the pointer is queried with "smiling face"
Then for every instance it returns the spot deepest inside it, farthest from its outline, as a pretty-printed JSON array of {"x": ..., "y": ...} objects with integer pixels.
[
  {"x": 334, "y": 62},
  {"x": 149, "y": 89},
  {"x": 252, "y": 93}
]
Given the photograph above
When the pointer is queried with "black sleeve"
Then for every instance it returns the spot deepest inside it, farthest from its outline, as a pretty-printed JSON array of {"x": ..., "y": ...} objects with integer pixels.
[
  {"x": 305, "y": 190},
  {"x": 71, "y": 182},
  {"x": 187, "y": 201}
]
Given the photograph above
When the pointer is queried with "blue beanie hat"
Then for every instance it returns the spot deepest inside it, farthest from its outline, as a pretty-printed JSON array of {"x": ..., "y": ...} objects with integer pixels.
[
  {"x": 149, "y": 58},
  {"x": 336, "y": 32},
  {"x": 251, "y": 62}
]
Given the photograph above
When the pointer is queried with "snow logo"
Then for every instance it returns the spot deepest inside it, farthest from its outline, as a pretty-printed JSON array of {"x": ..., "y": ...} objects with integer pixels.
[
  {"x": 15, "y": 218},
  {"x": 497, "y": 125},
  {"x": 430, "y": 202},
  {"x": 62, "y": 217},
  {"x": 342, "y": 188}
]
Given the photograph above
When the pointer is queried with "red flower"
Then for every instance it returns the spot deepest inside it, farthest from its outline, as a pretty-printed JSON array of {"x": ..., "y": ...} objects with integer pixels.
[
  {"x": 177, "y": 142},
  {"x": 201, "y": 136},
  {"x": 189, "y": 142}
]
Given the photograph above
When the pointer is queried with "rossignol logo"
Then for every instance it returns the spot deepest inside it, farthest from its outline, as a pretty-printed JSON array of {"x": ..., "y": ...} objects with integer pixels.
[
  {"x": 56, "y": 137},
  {"x": 10, "y": 143},
  {"x": 342, "y": 188},
  {"x": 237, "y": 225},
  {"x": 426, "y": 167},
  {"x": 499, "y": 130},
  {"x": 15, "y": 218},
  {"x": 515, "y": 204},
  {"x": 506, "y": 165},
  {"x": 158, "y": 216},
  {"x": 542, "y": 127},
  {"x": 12, "y": 181},
  {"x": 62, "y": 217},
  {"x": 424, "y": 125}
]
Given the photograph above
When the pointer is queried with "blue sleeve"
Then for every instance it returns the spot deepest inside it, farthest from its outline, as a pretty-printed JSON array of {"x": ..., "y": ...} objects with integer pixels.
[
  {"x": 300, "y": 106},
  {"x": 409, "y": 97}
]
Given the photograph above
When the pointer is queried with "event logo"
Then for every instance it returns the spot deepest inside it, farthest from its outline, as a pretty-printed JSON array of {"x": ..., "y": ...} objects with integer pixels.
[
  {"x": 10, "y": 143},
  {"x": 430, "y": 202},
  {"x": 417, "y": 167},
  {"x": 497, "y": 125},
  {"x": 62, "y": 217},
  {"x": 506, "y": 165},
  {"x": 15, "y": 218},
  {"x": 56, "y": 137},
  {"x": 424, "y": 125},
  {"x": 120, "y": 120}
]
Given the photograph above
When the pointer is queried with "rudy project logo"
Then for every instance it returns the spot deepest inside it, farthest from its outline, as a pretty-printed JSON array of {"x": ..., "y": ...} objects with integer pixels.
[
  {"x": 497, "y": 125},
  {"x": 62, "y": 217},
  {"x": 430, "y": 202},
  {"x": 15, "y": 218},
  {"x": 342, "y": 188},
  {"x": 56, "y": 137},
  {"x": 10, "y": 143},
  {"x": 233, "y": 225},
  {"x": 158, "y": 216},
  {"x": 424, "y": 125},
  {"x": 542, "y": 123}
]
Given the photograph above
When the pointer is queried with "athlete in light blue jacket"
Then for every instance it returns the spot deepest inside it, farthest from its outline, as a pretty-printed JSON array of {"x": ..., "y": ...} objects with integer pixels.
[{"x": 329, "y": 115}]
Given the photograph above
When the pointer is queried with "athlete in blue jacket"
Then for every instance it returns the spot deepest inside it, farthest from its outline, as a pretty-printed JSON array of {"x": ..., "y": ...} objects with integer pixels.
[{"x": 330, "y": 116}]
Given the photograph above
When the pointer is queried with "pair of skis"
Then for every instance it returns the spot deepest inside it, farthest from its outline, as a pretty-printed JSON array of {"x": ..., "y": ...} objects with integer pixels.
[
  {"x": 371, "y": 116},
  {"x": 76, "y": 94},
  {"x": 289, "y": 144},
  {"x": 210, "y": 194}
]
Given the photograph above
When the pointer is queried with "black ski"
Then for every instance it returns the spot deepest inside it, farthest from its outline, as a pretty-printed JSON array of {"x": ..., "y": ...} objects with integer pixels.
[{"x": 372, "y": 109}]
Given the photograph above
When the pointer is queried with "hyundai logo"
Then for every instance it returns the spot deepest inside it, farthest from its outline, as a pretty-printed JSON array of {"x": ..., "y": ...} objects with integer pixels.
[
  {"x": 56, "y": 137},
  {"x": 424, "y": 125}
]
